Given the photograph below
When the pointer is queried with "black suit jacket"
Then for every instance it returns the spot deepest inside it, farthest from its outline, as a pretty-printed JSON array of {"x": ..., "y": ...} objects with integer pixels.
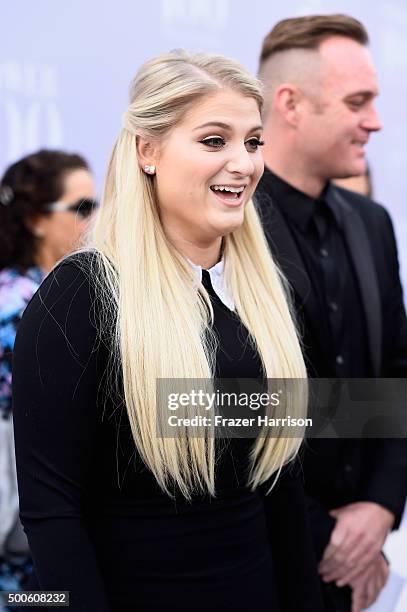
[{"x": 351, "y": 470}]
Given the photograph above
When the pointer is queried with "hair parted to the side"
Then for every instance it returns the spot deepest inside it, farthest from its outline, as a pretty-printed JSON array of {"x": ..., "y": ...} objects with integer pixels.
[
  {"x": 161, "y": 318},
  {"x": 309, "y": 32}
]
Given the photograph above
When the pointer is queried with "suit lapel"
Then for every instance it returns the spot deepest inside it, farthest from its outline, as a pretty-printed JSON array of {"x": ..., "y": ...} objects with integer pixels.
[
  {"x": 361, "y": 255},
  {"x": 287, "y": 255}
]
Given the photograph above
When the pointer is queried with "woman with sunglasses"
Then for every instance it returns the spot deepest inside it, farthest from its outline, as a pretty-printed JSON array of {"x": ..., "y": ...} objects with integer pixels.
[
  {"x": 178, "y": 284},
  {"x": 45, "y": 202}
]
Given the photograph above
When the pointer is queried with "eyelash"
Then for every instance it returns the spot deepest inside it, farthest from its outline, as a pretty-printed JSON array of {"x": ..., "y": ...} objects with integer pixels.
[{"x": 254, "y": 142}]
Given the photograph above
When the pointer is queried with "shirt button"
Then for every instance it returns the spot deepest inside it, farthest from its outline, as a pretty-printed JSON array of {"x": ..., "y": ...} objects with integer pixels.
[
  {"x": 333, "y": 306},
  {"x": 339, "y": 360},
  {"x": 323, "y": 252}
]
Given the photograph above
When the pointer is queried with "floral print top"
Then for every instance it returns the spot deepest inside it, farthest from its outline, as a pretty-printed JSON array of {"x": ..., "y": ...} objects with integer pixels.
[{"x": 16, "y": 290}]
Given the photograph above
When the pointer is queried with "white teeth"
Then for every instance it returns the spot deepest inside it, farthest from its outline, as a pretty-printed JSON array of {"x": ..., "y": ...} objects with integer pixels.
[{"x": 227, "y": 188}]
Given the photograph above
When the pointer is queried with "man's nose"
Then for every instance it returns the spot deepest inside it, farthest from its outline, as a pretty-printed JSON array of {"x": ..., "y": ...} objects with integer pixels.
[{"x": 372, "y": 121}]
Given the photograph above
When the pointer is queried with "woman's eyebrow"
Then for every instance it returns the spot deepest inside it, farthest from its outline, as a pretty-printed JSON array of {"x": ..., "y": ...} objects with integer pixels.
[{"x": 224, "y": 126}]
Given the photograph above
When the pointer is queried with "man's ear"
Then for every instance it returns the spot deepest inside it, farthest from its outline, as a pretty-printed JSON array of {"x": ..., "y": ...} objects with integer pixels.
[
  {"x": 147, "y": 152},
  {"x": 287, "y": 101}
]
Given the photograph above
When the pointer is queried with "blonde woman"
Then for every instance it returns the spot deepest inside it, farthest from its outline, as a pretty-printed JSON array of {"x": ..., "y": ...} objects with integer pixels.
[{"x": 178, "y": 283}]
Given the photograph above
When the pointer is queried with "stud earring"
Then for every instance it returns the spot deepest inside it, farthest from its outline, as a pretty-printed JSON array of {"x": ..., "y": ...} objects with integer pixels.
[{"x": 149, "y": 169}]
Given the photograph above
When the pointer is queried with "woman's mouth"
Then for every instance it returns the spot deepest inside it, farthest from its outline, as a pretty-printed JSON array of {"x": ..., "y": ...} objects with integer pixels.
[{"x": 231, "y": 195}]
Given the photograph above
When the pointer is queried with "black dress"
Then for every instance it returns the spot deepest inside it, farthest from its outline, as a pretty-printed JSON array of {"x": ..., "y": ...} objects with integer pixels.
[{"x": 98, "y": 524}]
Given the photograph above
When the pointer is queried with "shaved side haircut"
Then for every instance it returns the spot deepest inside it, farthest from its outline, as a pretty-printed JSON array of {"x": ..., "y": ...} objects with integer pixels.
[{"x": 290, "y": 51}]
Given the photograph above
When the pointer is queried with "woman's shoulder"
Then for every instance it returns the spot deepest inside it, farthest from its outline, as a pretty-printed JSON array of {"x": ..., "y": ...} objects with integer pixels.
[
  {"x": 72, "y": 281},
  {"x": 66, "y": 305},
  {"x": 70, "y": 303},
  {"x": 84, "y": 262},
  {"x": 82, "y": 267}
]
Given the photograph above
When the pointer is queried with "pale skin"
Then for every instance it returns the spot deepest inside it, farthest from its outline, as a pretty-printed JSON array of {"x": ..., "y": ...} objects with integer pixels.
[
  {"x": 61, "y": 232},
  {"x": 314, "y": 138},
  {"x": 357, "y": 540},
  {"x": 216, "y": 143},
  {"x": 314, "y": 132},
  {"x": 368, "y": 583}
]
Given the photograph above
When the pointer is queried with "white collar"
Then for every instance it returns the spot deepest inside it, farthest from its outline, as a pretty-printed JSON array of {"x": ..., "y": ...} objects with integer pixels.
[{"x": 218, "y": 281}]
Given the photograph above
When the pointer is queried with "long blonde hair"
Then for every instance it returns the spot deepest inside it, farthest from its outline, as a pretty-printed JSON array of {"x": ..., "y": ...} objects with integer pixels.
[{"x": 161, "y": 320}]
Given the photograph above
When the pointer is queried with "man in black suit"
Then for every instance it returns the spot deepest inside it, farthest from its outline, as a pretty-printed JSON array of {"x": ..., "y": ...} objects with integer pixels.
[{"x": 338, "y": 251}]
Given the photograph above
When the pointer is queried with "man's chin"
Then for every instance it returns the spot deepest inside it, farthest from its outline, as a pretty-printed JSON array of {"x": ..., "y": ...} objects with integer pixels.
[{"x": 351, "y": 171}]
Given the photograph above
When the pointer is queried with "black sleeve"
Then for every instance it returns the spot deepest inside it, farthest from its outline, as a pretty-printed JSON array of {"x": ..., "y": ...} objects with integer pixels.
[
  {"x": 321, "y": 523},
  {"x": 387, "y": 481},
  {"x": 56, "y": 372},
  {"x": 394, "y": 357},
  {"x": 291, "y": 544}
]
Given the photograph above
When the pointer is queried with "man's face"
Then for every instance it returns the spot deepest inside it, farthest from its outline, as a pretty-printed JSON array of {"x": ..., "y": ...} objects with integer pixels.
[{"x": 336, "y": 120}]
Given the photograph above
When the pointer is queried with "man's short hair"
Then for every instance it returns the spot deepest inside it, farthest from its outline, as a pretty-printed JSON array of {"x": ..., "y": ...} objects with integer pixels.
[{"x": 309, "y": 32}]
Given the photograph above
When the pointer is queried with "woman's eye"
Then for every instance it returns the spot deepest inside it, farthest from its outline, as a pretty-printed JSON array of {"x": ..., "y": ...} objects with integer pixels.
[
  {"x": 216, "y": 142},
  {"x": 253, "y": 143}
]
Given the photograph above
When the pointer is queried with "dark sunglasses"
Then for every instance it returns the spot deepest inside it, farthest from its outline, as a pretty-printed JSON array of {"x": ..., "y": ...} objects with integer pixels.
[{"x": 83, "y": 208}]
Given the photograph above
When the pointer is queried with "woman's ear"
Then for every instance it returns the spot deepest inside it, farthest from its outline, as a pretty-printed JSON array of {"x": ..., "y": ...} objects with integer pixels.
[
  {"x": 35, "y": 225},
  {"x": 147, "y": 154}
]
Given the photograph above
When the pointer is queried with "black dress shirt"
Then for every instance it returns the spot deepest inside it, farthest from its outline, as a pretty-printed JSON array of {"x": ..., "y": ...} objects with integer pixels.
[{"x": 316, "y": 225}]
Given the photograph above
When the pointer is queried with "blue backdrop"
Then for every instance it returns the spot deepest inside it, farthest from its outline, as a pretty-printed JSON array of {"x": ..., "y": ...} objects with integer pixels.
[{"x": 65, "y": 68}]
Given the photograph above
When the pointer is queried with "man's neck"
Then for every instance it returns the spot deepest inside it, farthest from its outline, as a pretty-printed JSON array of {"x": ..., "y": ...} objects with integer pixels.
[
  {"x": 311, "y": 186},
  {"x": 293, "y": 171}
]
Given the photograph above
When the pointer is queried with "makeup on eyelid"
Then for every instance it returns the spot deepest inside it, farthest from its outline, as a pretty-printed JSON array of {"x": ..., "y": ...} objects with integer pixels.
[{"x": 252, "y": 142}]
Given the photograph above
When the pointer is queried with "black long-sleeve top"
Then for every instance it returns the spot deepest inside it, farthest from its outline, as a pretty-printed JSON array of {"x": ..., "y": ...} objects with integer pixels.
[{"x": 98, "y": 524}]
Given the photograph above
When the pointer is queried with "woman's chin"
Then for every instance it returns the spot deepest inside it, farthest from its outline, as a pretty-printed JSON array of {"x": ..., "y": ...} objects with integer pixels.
[{"x": 223, "y": 227}]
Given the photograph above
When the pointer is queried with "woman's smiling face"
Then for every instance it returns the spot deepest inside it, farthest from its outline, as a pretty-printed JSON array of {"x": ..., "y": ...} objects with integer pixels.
[{"x": 208, "y": 167}]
